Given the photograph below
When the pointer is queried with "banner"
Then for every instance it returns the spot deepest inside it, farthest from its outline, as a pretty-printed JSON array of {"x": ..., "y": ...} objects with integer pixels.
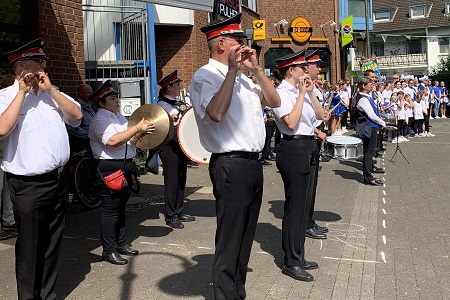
[
  {"x": 369, "y": 64},
  {"x": 347, "y": 30}
]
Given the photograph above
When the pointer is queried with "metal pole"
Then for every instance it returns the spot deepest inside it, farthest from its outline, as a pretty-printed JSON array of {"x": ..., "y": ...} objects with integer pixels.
[
  {"x": 152, "y": 53},
  {"x": 367, "y": 12}
]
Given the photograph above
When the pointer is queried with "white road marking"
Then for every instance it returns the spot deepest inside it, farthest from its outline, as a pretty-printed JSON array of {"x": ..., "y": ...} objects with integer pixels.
[
  {"x": 383, "y": 257},
  {"x": 351, "y": 259}
]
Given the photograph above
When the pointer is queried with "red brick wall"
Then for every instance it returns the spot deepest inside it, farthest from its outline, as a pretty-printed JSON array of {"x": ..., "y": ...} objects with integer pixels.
[
  {"x": 317, "y": 13},
  {"x": 60, "y": 24}
]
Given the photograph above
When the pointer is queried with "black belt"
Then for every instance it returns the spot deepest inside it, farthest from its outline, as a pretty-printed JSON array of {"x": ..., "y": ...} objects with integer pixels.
[
  {"x": 242, "y": 154},
  {"x": 298, "y": 137},
  {"x": 40, "y": 177}
]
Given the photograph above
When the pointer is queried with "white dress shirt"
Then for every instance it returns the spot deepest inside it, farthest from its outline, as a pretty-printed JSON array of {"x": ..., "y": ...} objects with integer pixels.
[
  {"x": 242, "y": 128},
  {"x": 39, "y": 142},
  {"x": 288, "y": 95},
  {"x": 169, "y": 108},
  {"x": 104, "y": 125},
  {"x": 418, "y": 110}
]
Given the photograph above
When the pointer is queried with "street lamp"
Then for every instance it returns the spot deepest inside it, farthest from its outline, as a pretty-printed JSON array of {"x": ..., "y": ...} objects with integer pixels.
[{"x": 366, "y": 13}]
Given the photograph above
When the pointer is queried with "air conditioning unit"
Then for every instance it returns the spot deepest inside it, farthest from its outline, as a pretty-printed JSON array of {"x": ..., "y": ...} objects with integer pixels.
[{"x": 129, "y": 105}]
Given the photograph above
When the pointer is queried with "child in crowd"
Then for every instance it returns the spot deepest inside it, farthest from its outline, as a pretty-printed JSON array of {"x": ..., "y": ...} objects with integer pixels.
[
  {"x": 401, "y": 120},
  {"x": 444, "y": 100},
  {"x": 419, "y": 107},
  {"x": 409, "y": 118}
]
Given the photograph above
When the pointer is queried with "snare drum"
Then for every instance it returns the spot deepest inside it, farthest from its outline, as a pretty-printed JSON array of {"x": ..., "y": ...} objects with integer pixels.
[
  {"x": 189, "y": 138},
  {"x": 344, "y": 147}
]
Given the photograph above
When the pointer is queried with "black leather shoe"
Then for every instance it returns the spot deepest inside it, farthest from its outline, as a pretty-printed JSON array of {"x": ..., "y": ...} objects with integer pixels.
[
  {"x": 378, "y": 170},
  {"x": 127, "y": 250},
  {"x": 313, "y": 233},
  {"x": 376, "y": 182},
  {"x": 186, "y": 218},
  {"x": 309, "y": 265},
  {"x": 114, "y": 258},
  {"x": 324, "y": 158},
  {"x": 265, "y": 163},
  {"x": 321, "y": 229},
  {"x": 270, "y": 157},
  {"x": 175, "y": 223},
  {"x": 297, "y": 273}
]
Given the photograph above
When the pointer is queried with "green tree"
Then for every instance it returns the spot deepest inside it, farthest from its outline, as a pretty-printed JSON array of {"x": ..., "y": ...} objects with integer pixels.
[{"x": 442, "y": 70}]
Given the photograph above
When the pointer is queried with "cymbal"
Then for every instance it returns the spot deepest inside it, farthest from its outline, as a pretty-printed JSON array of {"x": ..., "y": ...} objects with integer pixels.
[{"x": 156, "y": 114}]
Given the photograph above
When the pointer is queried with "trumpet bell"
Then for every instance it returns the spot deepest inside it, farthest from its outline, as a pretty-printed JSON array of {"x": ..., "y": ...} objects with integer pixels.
[{"x": 163, "y": 126}]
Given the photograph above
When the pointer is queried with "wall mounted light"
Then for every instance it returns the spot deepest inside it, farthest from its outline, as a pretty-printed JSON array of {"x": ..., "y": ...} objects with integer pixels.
[{"x": 281, "y": 24}]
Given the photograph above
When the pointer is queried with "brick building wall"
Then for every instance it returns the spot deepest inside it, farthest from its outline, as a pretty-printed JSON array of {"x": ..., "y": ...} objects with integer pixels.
[{"x": 60, "y": 24}]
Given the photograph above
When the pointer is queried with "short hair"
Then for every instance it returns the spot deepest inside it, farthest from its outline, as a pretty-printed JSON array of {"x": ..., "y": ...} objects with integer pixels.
[
  {"x": 368, "y": 72},
  {"x": 363, "y": 81}
]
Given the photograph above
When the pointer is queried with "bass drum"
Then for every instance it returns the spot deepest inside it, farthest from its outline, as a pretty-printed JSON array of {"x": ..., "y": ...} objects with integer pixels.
[
  {"x": 344, "y": 147},
  {"x": 189, "y": 138}
]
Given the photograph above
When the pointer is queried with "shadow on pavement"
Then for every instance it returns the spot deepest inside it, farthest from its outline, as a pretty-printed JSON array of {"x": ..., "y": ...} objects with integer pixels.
[
  {"x": 352, "y": 175},
  {"x": 326, "y": 216},
  {"x": 269, "y": 238},
  {"x": 194, "y": 280}
]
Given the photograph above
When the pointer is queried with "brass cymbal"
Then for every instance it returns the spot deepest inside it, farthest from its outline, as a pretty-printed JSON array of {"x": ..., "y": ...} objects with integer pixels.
[
  {"x": 160, "y": 118},
  {"x": 170, "y": 134}
]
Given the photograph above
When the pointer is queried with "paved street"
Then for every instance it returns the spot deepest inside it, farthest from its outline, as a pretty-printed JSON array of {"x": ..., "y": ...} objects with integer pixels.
[{"x": 390, "y": 242}]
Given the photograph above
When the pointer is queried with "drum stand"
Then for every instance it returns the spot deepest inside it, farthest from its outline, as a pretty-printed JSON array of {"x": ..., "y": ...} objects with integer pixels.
[{"x": 397, "y": 149}]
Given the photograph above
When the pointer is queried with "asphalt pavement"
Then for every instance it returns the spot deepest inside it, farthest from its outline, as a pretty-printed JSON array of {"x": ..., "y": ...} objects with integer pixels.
[{"x": 390, "y": 242}]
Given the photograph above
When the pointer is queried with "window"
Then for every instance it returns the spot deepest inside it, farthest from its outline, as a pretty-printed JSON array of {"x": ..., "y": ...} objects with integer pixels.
[
  {"x": 414, "y": 47},
  {"x": 447, "y": 8},
  {"x": 378, "y": 49},
  {"x": 382, "y": 16},
  {"x": 418, "y": 11},
  {"x": 356, "y": 8},
  {"x": 250, "y": 4},
  {"x": 444, "y": 45}
]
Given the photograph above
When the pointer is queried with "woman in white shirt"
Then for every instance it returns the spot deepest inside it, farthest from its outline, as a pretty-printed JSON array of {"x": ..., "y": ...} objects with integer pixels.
[
  {"x": 113, "y": 146},
  {"x": 296, "y": 118}
]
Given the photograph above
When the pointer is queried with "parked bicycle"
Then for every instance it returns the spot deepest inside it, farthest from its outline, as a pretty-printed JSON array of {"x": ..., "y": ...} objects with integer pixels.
[{"x": 86, "y": 186}]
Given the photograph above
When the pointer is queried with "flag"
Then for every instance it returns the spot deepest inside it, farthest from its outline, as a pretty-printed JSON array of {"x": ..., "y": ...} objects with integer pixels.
[{"x": 347, "y": 29}]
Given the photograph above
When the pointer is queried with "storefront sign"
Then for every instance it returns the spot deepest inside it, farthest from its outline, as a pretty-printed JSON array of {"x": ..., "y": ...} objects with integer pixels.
[
  {"x": 300, "y": 30},
  {"x": 226, "y": 8},
  {"x": 259, "y": 30}
]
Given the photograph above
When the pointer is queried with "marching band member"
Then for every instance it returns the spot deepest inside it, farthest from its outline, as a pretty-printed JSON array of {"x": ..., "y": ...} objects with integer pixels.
[
  {"x": 367, "y": 112},
  {"x": 172, "y": 157},
  {"x": 296, "y": 119},
  {"x": 228, "y": 110},
  {"x": 112, "y": 143}
]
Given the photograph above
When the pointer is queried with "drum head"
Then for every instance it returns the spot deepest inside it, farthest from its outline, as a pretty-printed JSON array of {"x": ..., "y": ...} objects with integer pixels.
[
  {"x": 343, "y": 140},
  {"x": 189, "y": 138}
]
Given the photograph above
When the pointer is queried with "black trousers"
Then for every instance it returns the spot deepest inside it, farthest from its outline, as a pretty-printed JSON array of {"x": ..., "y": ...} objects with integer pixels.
[
  {"x": 270, "y": 129},
  {"x": 175, "y": 169},
  {"x": 314, "y": 184},
  {"x": 296, "y": 163},
  {"x": 112, "y": 215},
  {"x": 238, "y": 189},
  {"x": 40, "y": 204},
  {"x": 426, "y": 120},
  {"x": 369, "y": 146}
]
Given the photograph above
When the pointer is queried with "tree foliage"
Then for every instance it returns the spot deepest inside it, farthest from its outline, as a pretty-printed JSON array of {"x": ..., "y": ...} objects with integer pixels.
[{"x": 442, "y": 70}]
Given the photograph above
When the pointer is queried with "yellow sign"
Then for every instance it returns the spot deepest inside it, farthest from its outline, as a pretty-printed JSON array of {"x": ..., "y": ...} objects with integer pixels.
[
  {"x": 300, "y": 30},
  {"x": 259, "y": 30}
]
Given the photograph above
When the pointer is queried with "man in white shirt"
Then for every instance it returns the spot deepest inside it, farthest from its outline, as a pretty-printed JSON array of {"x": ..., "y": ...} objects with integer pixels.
[
  {"x": 33, "y": 114},
  {"x": 228, "y": 110}
]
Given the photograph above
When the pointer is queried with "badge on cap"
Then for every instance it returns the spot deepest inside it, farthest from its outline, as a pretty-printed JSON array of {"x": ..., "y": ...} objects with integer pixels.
[
  {"x": 169, "y": 79},
  {"x": 28, "y": 51},
  {"x": 297, "y": 59},
  {"x": 105, "y": 90},
  {"x": 229, "y": 26}
]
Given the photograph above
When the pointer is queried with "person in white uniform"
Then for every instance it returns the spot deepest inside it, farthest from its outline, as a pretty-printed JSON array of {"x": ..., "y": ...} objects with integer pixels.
[
  {"x": 113, "y": 147},
  {"x": 173, "y": 158},
  {"x": 228, "y": 109},
  {"x": 33, "y": 114},
  {"x": 296, "y": 118}
]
